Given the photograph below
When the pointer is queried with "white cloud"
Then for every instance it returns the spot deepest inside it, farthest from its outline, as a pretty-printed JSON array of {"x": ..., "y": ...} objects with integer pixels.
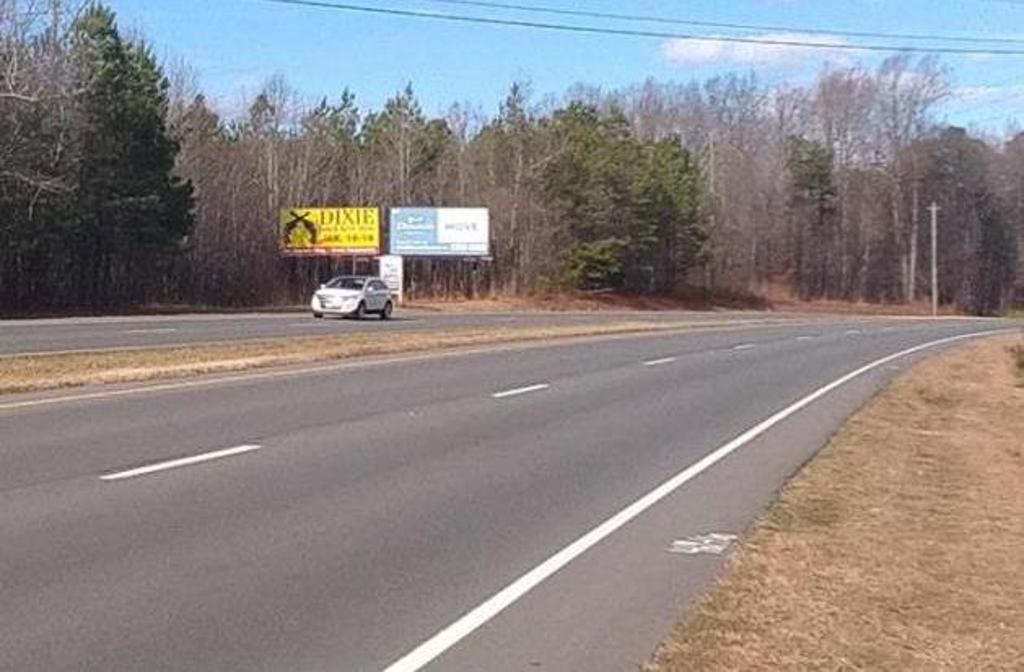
[
  {"x": 988, "y": 95},
  {"x": 712, "y": 49},
  {"x": 985, "y": 105}
]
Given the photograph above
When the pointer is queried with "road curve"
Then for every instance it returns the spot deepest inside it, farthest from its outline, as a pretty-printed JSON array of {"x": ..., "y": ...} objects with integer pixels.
[
  {"x": 338, "y": 520},
  {"x": 92, "y": 333}
]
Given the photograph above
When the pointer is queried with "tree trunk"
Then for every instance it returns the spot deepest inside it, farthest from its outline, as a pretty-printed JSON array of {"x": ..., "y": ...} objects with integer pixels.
[{"x": 912, "y": 271}]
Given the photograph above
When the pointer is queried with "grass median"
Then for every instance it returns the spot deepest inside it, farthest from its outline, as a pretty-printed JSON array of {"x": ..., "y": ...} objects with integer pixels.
[
  {"x": 27, "y": 373},
  {"x": 899, "y": 547}
]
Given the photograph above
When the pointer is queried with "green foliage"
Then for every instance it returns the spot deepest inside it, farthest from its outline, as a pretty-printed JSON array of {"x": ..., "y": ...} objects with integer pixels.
[
  {"x": 400, "y": 141},
  {"x": 115, "y": 227},
  {"x": 811, "y": 169},
  {"x": 669, "y": 197},
  {"x": 338, "y": 123},
  {"x": 132, "y": 212},
  {"x": 813, "y": 203},
  {"x": 597, "y": 263},
  {"x": 628, "y": 210}
]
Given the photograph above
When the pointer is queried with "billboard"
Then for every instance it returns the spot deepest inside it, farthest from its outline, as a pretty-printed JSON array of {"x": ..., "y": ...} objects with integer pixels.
[
  {"x": 440, "y": 232},
  {"x": 329, "y": 231}
]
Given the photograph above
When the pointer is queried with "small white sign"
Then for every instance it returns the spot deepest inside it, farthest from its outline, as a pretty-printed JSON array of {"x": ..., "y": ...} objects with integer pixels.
[
  {"x": 714, "y": 543},
  {"x": 392, "y": 273}
]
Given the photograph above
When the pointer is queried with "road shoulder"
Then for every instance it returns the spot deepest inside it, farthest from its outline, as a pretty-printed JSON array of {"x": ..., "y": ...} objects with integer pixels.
[{"x": 898, "y": 547}]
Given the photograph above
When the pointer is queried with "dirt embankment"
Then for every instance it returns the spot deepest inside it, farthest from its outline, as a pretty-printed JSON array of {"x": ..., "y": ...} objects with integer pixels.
[{"x": 900, "y": 547}]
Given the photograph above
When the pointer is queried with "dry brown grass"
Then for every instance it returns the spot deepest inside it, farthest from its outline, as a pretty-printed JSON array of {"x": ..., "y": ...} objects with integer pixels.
[
  {"x": 900, "y": 547},
  {"x": 1018, "y": 355},
  {"x": 576, "y": 301},
  {"x": 776, "y": 297},
  {"x": 26, "y": 373},
  {"x": 781, "y": 297},
  {"x": 833, "y": 307}
]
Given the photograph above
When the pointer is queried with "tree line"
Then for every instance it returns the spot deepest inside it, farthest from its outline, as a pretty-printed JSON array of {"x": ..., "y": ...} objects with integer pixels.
[{"x": 120, "y": 184}]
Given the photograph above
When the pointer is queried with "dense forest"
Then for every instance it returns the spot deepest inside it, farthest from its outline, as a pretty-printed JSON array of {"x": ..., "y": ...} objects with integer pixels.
[{"x": 120, "y": 185}]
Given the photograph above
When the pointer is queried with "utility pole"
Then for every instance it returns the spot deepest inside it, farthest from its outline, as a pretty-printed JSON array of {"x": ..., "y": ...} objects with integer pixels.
[{"x": 934, "y": 209}]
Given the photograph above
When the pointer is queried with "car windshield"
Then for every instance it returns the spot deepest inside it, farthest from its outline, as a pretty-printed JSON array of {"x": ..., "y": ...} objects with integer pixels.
[{"x": 346, "y": 283}]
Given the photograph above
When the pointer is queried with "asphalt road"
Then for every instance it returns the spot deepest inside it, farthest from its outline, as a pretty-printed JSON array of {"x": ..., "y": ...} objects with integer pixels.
[
  {"x": 360, "y": 511},
  {"x": 88, "y": 333}
]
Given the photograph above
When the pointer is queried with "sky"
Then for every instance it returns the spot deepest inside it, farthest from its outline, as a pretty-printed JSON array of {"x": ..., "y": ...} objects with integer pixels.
[{"x": 234, "y": 46}]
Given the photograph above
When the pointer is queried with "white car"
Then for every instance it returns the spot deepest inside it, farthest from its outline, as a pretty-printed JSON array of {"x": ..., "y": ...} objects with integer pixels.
[{"x": 353, "y": 295}]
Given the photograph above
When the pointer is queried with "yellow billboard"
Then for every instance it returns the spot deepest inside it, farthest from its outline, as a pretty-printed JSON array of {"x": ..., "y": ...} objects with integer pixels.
[{"x": 329, "y": 231}]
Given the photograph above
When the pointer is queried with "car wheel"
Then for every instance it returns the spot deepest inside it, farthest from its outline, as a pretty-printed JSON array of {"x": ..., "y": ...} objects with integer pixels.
[
  {"x": 318, "y": 316},
  {"x": 360, "y": 311},
  {"x": 385, "y": 314}
]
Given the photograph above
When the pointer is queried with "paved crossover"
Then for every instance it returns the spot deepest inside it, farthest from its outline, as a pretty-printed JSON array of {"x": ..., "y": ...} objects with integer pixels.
[{"x": 500, "y": 508}]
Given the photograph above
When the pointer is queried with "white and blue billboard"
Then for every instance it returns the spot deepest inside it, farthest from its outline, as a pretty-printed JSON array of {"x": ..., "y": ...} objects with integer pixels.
[{"x": 440, "y": 232}]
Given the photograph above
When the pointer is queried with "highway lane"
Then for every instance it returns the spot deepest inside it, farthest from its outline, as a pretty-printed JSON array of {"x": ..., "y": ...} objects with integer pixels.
[
  {"x": 385, "y": 502},
  {"x": 62, "y": 334}
]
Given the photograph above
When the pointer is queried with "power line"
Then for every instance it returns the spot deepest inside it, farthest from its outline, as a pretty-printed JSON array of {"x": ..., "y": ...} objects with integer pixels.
[
  {"x": 623, "y": 32},
  {"x": 640, "y": 18}
]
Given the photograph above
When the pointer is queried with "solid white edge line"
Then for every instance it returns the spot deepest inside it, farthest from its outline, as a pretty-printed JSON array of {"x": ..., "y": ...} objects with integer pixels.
[
  {"x": 491, "y": 607},
  {"x": 181, "y": 462},
  {"x": 656, "y": 362},
  {"x": 521, "y": 390}
]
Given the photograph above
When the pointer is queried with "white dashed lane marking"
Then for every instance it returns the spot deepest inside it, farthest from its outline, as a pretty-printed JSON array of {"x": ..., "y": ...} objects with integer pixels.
[
  {"x": 520, "y": 390},
  {"x": 180, "y": 462}
]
